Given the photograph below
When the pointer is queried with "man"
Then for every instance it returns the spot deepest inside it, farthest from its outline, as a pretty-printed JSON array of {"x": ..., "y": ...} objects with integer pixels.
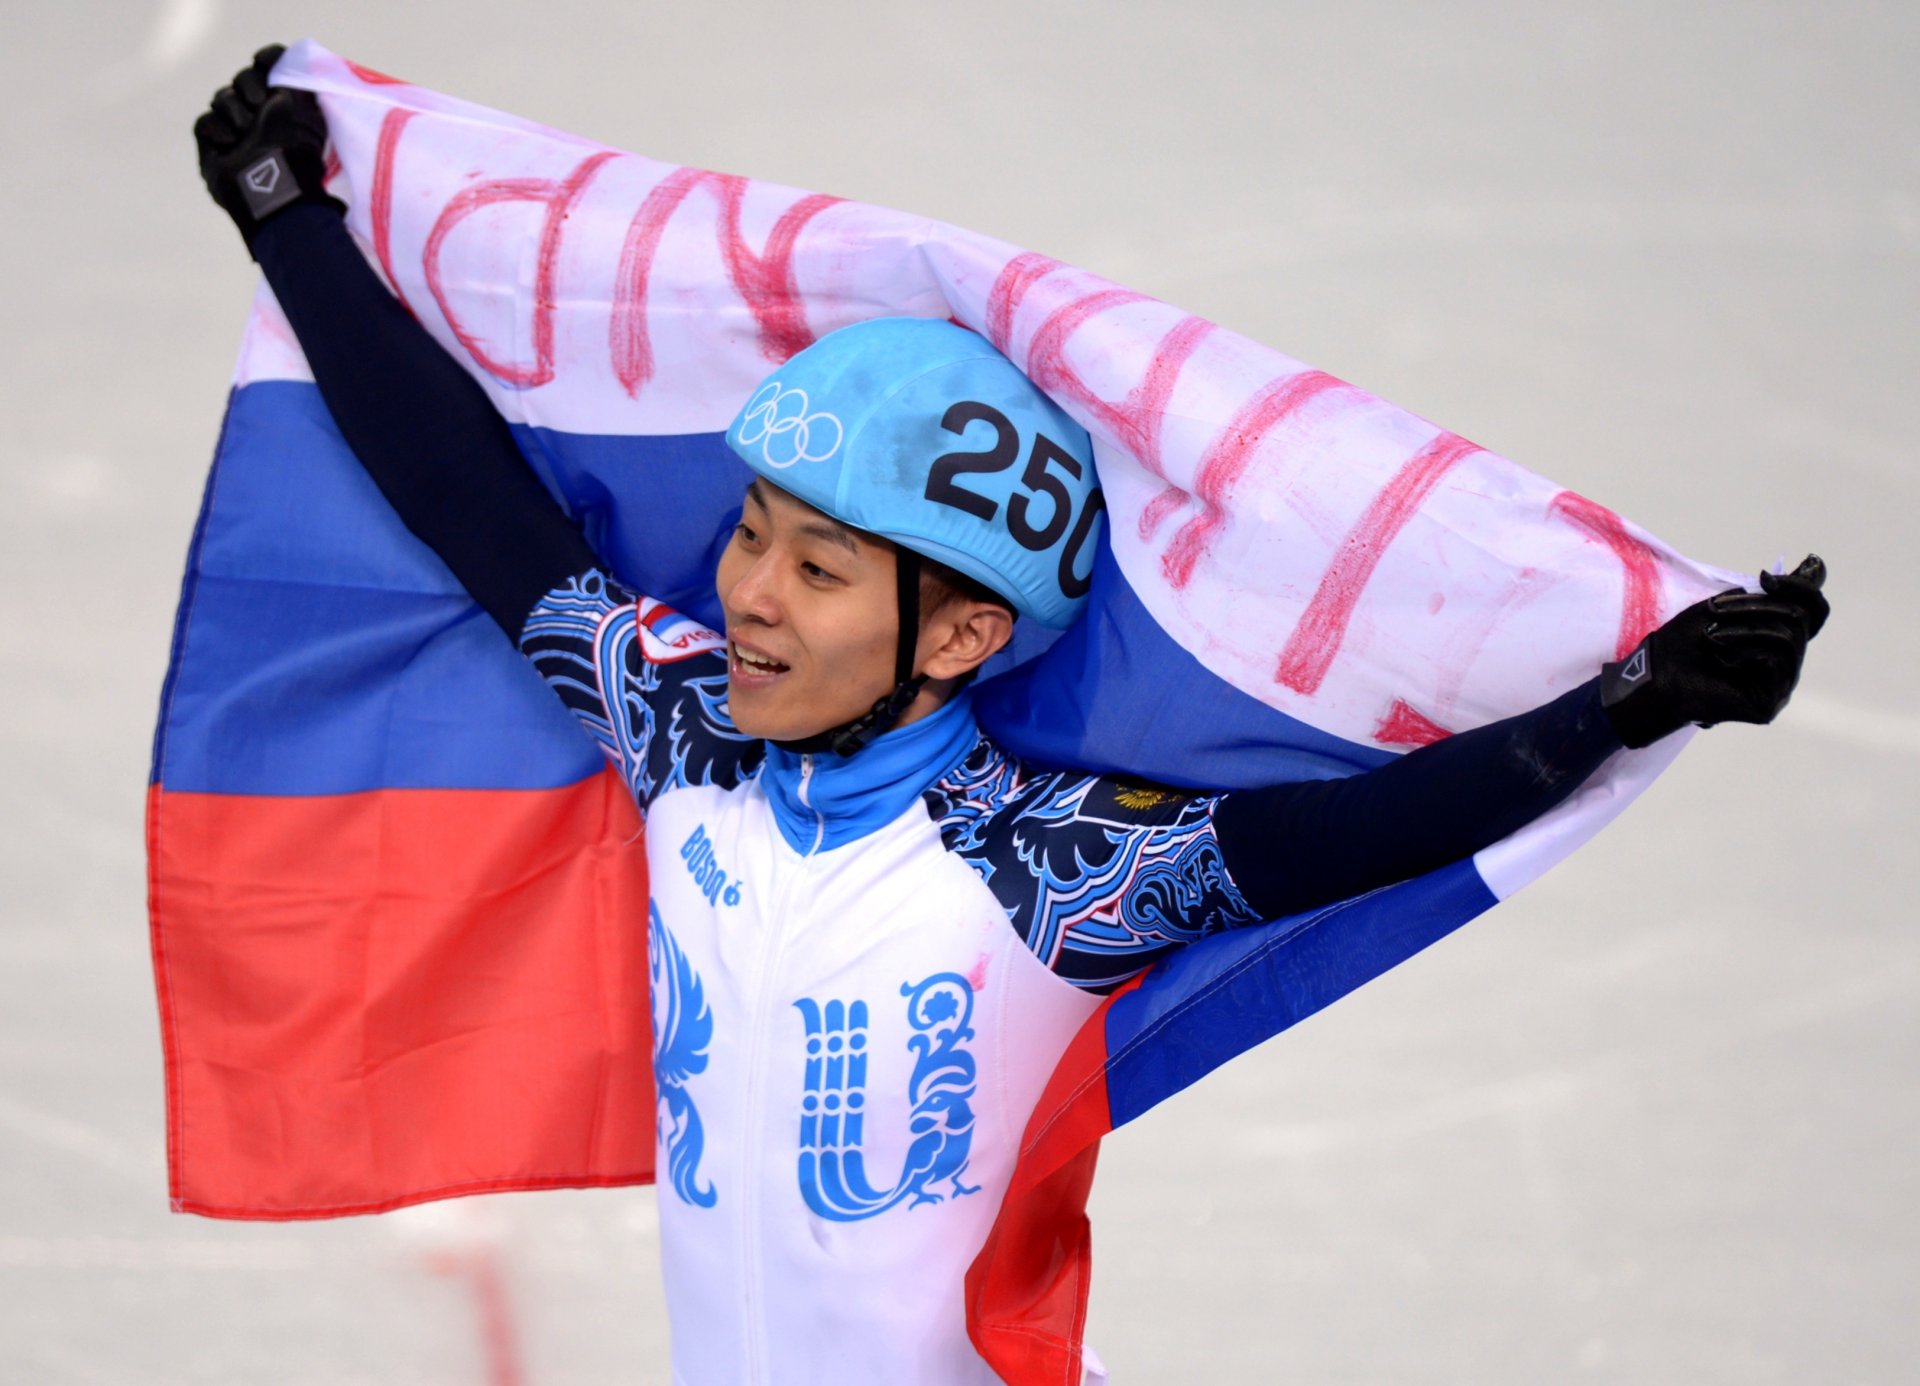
[{"x": 872, "y": 930}]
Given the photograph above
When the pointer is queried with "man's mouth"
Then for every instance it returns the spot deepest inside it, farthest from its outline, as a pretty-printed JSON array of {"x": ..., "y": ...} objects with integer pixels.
[{"x": 750, "y": 663}]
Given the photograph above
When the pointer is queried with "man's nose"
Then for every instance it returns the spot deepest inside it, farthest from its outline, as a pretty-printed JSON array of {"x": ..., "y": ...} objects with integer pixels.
[{"x": 753, "y": 596}]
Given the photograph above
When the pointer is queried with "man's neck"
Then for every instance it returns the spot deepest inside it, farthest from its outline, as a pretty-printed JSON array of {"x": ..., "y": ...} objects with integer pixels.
[
  {"x": 822, "y": 800},
  {"x": 933, "y": 696}
]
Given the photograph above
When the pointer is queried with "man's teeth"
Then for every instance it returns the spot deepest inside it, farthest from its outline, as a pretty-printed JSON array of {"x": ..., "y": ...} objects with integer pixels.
[{"x": 756, "y": 664}]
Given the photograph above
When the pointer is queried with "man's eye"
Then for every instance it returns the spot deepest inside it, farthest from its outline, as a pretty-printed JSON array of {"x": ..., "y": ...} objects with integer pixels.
[
  {"x": 747, "y": 536},
  {"x": 814, "y": 570}
]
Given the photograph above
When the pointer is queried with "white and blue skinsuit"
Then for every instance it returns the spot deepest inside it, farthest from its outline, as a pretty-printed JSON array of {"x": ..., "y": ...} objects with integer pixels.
[{"x": 864, "y": 968}]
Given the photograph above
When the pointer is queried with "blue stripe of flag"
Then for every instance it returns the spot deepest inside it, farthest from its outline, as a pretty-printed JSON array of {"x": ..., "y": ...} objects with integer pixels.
[
  {"x": 324, "y": 650},
  {"x": 1220, "y": 997}
]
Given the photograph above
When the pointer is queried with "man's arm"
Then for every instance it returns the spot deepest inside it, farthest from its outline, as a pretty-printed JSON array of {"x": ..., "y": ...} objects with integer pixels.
[
  {"x": 1734, "y": 657},
  {"x": 420, "y": 425},
  {"x": 1102, "y": 878},
  {"x": 1292, "y": 847},
  {"x": 427, "y": 434}
]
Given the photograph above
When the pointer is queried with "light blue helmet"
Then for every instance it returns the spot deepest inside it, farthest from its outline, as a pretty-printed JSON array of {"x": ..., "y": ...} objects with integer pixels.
[{"x": 918, "y": 430}]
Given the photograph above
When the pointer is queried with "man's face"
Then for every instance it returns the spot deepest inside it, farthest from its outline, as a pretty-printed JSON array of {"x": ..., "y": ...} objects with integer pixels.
[{"x": 812, "y": 617}]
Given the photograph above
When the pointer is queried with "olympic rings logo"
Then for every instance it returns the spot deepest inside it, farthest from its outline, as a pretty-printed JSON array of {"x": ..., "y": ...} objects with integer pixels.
[{"x": 777, "y": 419}]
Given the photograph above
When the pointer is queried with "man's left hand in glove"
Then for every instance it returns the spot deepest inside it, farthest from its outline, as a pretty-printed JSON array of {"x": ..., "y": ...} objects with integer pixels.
[{"x": 1734, "y": 657}]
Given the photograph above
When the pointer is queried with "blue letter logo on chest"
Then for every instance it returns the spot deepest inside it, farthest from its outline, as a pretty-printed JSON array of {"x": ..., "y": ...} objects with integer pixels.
[
  {"x": 833, "y": 1167},
  {"x": 704, "y": 867}
]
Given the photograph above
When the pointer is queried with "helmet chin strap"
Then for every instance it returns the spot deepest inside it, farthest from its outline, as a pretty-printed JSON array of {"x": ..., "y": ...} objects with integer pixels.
[{"x": 849, "y": 737}]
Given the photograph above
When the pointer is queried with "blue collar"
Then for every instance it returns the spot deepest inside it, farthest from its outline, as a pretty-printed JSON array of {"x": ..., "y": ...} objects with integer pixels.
[{"x": 822, "y": 801}]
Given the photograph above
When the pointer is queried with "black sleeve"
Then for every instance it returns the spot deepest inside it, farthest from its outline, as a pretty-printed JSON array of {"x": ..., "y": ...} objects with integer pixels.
[
  {"x": 1293, "y": 847},
  {"x": 421, "y": 426}
]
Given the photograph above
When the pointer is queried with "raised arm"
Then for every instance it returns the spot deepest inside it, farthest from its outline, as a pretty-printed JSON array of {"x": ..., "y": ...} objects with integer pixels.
[
  {"x": 1295, "y": 846},
  {"x": 444, "y": 458},
  {"x": 1734, "y": 657},
  {"x": 1103, "y": 877},
  {"x": 421, "y": 426}
]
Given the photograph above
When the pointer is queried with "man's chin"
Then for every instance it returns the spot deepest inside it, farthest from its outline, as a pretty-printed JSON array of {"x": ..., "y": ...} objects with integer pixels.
[
  {"x": 762, "y": 717},
  {"x": 768, "y": 717}
]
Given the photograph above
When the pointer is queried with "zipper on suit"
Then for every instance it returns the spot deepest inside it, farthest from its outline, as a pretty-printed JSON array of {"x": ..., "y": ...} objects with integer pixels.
[
  {"x": 819, "y": 819},
  {"x": 751, "y": 1149}
]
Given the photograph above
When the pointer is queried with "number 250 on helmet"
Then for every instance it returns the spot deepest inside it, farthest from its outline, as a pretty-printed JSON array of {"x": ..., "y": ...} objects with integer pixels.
[{"x": 917, "y": 430}]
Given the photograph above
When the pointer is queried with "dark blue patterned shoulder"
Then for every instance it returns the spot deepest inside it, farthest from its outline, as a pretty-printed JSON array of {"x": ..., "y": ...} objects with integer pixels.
[
  {"x": 1099, "y": 875},
  {"x": 647, "y": 683}
]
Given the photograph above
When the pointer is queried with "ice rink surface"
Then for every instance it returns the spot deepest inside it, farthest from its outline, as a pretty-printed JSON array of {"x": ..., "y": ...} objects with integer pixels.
[{"x": 1655, "y": 1121}]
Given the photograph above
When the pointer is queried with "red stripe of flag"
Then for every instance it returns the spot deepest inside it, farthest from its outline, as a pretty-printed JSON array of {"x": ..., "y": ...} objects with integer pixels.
[
  {"x": 358, "y": 1016},
  {"x": 1027, "y": 1289}
]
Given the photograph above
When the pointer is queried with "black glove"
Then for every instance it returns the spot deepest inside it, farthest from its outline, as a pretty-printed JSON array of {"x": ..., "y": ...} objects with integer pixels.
[
  {"x": 262, "y": 148},
  {"x": 1734, "y": 657}
]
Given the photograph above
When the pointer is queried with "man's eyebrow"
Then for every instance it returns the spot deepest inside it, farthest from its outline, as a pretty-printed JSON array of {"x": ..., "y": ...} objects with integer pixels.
[
  {"x": 833, "y": 532},
  {"x": 817, "y": 526}
]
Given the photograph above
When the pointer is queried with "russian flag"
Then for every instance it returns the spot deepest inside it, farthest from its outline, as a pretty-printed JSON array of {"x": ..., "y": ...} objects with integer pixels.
[{"x": 397, "y": 899}]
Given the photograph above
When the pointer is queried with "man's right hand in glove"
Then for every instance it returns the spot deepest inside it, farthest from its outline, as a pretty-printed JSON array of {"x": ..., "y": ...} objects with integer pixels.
[
  {"x": 262, "y": 148},
  {"x": 1734, "y": 657}
]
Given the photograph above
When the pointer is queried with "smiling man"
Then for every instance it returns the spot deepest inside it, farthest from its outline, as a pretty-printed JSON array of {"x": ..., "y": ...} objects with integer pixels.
[
  {"x": 783, "y": 680},
  {"x": 872, "y": 930}
]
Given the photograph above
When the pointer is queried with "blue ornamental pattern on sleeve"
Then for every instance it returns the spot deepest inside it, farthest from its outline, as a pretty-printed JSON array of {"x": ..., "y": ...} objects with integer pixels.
[
  {"x": 587, "y": 640},
  {"x": 1100, "y": 876},
  {"x": 682, "y": 1030},
  {"x": 833, "y": 1124}
]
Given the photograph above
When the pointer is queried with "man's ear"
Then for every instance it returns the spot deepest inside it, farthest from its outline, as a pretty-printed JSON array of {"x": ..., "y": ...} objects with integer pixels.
[{"x": 962, "y": 637}]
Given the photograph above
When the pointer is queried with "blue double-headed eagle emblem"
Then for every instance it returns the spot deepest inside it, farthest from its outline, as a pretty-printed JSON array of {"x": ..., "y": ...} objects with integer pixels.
[{"x": 682, "y": 1030}]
